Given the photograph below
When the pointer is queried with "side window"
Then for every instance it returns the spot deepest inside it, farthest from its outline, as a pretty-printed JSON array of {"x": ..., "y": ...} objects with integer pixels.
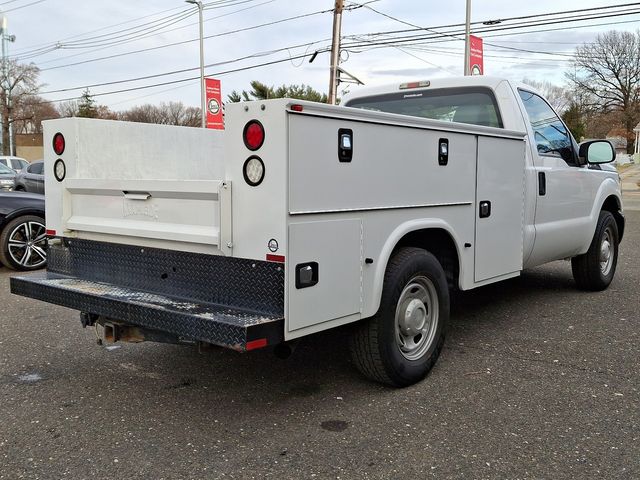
[
  {"x": 38, "y": 168},
  {"x": 3, "y": 161},
  {"x": 550, "y": 134},
  {"x": 30, "y": 169}
]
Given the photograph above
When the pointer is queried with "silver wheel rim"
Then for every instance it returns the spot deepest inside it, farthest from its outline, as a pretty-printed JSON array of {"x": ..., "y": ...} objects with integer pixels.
[
  {"x": 606, "y": 252},
  {"x": 416, "y": 319},
  {"x": 27, "y": 244}
]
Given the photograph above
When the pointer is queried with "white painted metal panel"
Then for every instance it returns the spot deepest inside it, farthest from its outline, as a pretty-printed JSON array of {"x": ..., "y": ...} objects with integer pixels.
[
  {"x": 392, "y": 166},
  {"x": 259, "y": 212},
  {"x": 139, "y": 181},
  {"x": 336, "y": 246},
  {"x": 499, "y": 237}
]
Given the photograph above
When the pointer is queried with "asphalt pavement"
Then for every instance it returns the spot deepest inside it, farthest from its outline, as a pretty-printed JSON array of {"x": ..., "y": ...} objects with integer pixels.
[{"x": 537, "y": 380}]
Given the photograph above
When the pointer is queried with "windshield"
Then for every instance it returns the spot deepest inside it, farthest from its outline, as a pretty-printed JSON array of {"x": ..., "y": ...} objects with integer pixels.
[
  {"x": 5, "y": 169},
  {"x": 476, "y": 106}
]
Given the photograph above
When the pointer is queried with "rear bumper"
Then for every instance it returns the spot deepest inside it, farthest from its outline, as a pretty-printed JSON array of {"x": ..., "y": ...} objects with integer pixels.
[{"x": 233, "y": 303}]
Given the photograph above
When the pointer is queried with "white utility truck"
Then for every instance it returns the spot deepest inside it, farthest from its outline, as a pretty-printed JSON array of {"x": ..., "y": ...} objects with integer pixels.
[{"x": 301, "y": 217}]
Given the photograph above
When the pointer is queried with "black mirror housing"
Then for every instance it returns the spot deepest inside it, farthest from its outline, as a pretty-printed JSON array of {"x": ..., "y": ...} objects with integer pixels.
[{"x": 597, "y": 151}]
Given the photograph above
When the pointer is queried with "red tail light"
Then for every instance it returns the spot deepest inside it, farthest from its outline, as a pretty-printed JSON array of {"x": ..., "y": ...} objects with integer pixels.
[
  {"x": 58, "y": 143},
  {"x": 253, "y": 135}
]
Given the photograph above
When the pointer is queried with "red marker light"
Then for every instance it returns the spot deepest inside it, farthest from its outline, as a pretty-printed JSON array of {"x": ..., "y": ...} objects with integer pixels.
[
  {"x": 255, "y": 344},
  {"x": 297, "y": 108},
  {"x": 253, "y": 135},
  {"x": 50, "y": 233},
  {"x": 58, "y": 143},
  {"x": 275, "y": 258}
]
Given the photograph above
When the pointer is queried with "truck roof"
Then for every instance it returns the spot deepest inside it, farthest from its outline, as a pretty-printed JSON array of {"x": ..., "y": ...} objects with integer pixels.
[{"x": 448, "y": 82}]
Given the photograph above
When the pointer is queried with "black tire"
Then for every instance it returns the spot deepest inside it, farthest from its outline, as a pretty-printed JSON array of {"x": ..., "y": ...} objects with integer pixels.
[
  {"x": 591, "y": 271},
  {"x": 378, "y": 345},
  {"x": 30, "y": 230},
  {"x": 19, "y": 188}
]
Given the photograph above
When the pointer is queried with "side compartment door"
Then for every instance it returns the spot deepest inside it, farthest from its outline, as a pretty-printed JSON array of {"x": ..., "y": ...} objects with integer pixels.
[
  {"x": 333, "y": 249},
  {"x": 499, "y": 207}
]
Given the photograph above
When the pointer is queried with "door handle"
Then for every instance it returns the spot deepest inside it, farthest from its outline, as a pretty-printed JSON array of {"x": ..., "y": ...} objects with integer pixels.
[
  {"x": 136, "y": 195},
  {"x": 485, "y": 209},
  {"x": 542, "y": 184}
]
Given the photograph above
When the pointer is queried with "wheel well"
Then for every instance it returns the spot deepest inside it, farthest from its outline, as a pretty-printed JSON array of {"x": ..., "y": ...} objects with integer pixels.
[
  {"x": 612, "y": 204},
  {"x": 438, "y": 242},
  {"x": 21, "y": 213}
]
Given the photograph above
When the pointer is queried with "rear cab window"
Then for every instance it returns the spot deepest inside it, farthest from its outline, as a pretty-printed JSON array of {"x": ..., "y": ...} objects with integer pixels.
[{"x": 472, "y": 105}]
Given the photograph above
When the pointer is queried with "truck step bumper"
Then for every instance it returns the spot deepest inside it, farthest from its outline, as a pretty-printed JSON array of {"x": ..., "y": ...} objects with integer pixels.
[{"x": 233, "y": 328}]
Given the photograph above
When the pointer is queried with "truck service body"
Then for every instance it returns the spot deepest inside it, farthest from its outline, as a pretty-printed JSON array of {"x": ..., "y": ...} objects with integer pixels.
[{"x": 301, "y": 217}]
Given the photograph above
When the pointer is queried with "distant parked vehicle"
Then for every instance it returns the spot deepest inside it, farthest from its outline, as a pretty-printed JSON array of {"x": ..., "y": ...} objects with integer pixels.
[
  {"x": 31, "y": 179},
  {"x": 22, "y": 231},
  {"x": 7, "y": 178},
  {"x": 14, "y": 163}
]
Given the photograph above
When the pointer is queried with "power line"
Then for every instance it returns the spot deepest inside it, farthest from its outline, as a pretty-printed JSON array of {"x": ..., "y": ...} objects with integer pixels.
[
  {"x": 117, "y": 55},
  {"x": 185, "y": 70},
  {"x": 455, "y": 33},
  {"x": 45, "y": 44},
  {"x": 137, "y": 32},
  {"x": 392, "y": 42},
  {"x": 24, "y": 6}
]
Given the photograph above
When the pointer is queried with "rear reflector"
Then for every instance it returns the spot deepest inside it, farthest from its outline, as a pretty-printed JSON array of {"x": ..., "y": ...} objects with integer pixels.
[
  {"x": 50, "y": 233},
  {"x": 297, "y": 108},
  {"x": 255, "y": 344},
  {"x": 275, "y": 258}
]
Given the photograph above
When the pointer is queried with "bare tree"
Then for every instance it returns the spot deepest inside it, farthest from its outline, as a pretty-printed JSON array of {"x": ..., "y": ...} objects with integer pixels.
[
  {"x": 172, "y": 113},
  {"x": 68, "y": 109},
  {"x": 19, "y": 82},
  {"x": 30, "y": 111},
  {"x": 608, "y": 72},
  {"x": 557, "y": 96}
]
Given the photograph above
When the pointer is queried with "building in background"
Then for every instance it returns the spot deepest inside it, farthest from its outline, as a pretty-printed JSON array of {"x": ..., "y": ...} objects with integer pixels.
[{"x": 29, "y": 146}]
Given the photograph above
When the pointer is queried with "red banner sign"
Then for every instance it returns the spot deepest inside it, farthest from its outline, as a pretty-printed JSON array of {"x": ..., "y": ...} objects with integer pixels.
[
  {"x": 476, "y": 62},
  {"x": 215, "y": 119}
]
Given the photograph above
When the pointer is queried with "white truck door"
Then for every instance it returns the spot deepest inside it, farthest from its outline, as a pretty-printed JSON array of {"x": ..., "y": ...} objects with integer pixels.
[
  {"x": 565, "y": 190},
  {"x": 500, "y": 207}
]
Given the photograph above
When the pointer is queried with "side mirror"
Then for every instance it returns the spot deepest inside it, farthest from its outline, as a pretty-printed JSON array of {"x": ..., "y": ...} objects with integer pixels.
[{"x": 597, "y": 151}]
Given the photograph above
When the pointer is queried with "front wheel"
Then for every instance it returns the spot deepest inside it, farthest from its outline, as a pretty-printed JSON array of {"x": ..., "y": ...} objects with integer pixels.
[
  {"x": 401, "y": 343},
  {"x": 595, "y": 269}
]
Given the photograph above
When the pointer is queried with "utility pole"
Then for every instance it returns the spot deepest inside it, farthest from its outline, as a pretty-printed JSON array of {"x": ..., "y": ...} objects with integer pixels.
[
  {"x": 467, "y": 41},
  {"x": 203, "y": 95},
  {"x": 335, "y": 51}
]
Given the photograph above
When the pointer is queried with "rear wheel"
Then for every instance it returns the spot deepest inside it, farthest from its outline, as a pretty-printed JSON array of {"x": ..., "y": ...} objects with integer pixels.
[
  {"x": 401, "y": 343},
  {"x": 23, "y": 243},
  {"x": 595, "y": 269}
]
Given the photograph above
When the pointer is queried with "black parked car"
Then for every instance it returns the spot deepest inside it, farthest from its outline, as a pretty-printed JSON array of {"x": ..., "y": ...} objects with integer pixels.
[
  {"x": 31, "y": 179},
  {"x": 22, "y": 231}
]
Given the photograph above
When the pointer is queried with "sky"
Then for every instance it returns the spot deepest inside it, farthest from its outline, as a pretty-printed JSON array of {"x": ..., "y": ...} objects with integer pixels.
[{"x": 125, "y": 46}]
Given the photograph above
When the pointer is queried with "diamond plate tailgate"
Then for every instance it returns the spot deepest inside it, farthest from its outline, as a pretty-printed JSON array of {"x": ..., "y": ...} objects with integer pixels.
[{"x": 215, "y": 299}]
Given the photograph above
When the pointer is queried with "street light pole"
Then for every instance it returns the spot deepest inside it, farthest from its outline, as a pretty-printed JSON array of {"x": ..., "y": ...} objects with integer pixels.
[
  {"x": 467, "y": 33},
  {"x": 203, "y": 110},
  {"x": 5, "y": 38}
]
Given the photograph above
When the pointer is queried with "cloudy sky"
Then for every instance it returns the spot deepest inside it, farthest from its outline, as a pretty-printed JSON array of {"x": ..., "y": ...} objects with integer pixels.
[{"x": 138, "y": 47}]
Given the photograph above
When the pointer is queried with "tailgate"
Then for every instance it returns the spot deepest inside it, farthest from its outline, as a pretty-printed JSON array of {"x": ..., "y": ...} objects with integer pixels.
[{"x": 140, "y": 181}]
